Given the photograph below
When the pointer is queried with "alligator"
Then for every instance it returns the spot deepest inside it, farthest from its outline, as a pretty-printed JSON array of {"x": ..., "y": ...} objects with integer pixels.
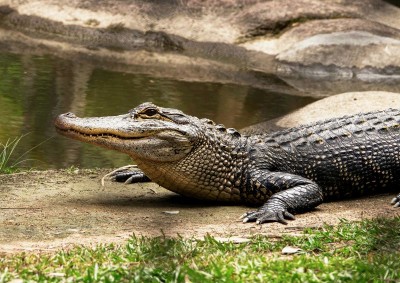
[{"x": 286, "y": 172}]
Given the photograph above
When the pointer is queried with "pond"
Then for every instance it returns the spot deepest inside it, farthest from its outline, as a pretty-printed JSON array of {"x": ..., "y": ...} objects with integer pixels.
[{"x": 35, "y": 89}]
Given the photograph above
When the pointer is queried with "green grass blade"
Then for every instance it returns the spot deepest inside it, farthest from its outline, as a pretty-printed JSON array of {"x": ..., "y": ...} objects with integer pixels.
[
  {"x": 29, "y": 150},
  {"x": 7, "y": 150},
  {"x": 5, "y": 155}
]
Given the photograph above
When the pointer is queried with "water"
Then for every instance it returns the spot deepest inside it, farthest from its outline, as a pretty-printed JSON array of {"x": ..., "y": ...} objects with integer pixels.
[{"x": 35, "y": 89}]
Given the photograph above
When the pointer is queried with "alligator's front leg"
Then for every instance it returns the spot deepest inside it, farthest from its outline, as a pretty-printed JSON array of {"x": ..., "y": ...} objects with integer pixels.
[
  {"x": 291, "y": 194},
  {"x": 128, "y": 174}
]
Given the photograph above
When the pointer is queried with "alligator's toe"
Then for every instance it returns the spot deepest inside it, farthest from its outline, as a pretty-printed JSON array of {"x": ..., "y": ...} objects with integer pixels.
[
  {"x": 263, "y": 216},
  {"x": 250, "y": 216},
  {"x": 275, "y": 216},
  {"x": 396, "y": 201},
  {"x": 127, "y": 174},
  {"x": 125, "y": 177}
]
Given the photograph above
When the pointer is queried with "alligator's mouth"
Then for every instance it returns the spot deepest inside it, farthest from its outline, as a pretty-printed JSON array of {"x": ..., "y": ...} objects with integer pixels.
[
  {"x": 97, "y": 128},
  {"x": 142, "y": 139},
  {"x": 147, "y": 135},
  {"x": 73, "y": 132}
]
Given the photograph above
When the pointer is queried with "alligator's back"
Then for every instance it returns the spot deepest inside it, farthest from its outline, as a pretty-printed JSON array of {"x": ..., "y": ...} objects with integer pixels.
[{"x": 346, "y": 156}]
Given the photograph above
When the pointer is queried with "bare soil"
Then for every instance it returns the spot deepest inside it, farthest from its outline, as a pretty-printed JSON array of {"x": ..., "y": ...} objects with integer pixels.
[{"x": 48, "y": 210}]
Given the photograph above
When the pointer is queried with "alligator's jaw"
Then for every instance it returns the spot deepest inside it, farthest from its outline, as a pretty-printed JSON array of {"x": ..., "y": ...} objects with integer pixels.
[
  {"x": 140, "y": 139},
  {"x": 98, "y": 130}
]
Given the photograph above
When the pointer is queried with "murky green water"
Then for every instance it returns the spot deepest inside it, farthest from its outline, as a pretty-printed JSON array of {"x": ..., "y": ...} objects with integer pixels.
[{"x": 34, "y": 89}]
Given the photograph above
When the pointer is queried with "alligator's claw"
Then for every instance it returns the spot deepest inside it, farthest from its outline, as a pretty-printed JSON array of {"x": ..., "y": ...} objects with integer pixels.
[
  {"x": 396, "y": 201},
  {"x": 127, "y": 174},
  {"x": 264, "y": 215}
]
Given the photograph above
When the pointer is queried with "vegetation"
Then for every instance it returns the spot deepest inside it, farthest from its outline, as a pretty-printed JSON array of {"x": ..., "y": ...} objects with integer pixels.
[
  {"x": 6, "y": 152},
  {"x": 368, "y": 251},
  {"x": 8, "y": 162}
]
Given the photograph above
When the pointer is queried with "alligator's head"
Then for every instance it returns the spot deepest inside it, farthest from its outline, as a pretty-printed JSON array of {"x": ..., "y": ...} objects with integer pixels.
[
  {"x": 183, "y": 153},
  {"x": 147, "y": 132}
]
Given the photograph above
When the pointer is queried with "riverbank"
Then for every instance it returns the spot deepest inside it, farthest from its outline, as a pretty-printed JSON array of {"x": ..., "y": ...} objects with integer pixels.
[{"x": 48, "y": 210}]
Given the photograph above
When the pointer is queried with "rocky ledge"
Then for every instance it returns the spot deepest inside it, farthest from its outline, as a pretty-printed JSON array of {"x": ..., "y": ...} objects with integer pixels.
[{"x": 335, "y": 40}]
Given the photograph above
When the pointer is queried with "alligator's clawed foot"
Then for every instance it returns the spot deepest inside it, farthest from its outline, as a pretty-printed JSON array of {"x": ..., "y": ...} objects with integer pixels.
[
  {"x": 396, "y": 201},
  {"x": 127, "y": 174},
  {"x": 265, "y": 215}
]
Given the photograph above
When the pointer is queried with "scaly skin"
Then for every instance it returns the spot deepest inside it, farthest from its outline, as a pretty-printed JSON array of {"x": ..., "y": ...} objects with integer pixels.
[{"x": 290, "y": 171}]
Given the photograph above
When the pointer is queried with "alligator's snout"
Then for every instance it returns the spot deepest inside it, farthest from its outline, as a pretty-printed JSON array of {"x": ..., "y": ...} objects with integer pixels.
[
  {"x": 69, "y": 115},
  {"x": 61, "y": 122}
]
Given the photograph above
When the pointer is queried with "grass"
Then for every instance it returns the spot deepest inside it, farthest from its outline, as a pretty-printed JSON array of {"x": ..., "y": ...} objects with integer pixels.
[
  {"x": 367, "y": 251},
  {"x": 6, "y": 152},
  {"x": 8, "y": 162}
]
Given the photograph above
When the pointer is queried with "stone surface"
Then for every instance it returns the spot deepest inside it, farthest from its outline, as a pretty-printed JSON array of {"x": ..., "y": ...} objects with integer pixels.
[
  {"x": 310, "y": 38},
  {"x": 343, "y": 54},
  {"x": 330, "y": 107}
]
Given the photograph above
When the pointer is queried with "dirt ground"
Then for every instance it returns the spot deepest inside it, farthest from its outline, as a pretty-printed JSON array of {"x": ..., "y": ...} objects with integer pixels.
[{"x": 48, "y": 210}]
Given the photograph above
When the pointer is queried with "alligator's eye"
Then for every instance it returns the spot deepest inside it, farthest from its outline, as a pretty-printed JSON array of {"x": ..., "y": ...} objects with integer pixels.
[{"x": 150, "y": 112}]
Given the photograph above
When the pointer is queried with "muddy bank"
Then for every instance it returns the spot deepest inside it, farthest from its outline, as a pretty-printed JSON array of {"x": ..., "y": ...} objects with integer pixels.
[{"x": 52, "y": 209}]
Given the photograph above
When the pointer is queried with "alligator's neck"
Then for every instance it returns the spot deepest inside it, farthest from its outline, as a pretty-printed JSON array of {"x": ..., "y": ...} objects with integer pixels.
[{"x": 215, "y": 169}]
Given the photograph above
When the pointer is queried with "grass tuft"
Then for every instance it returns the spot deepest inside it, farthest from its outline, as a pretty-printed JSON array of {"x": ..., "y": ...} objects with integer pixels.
[
  {"x": 6, "y": 151},
  {"x": 8, "y": 162}
]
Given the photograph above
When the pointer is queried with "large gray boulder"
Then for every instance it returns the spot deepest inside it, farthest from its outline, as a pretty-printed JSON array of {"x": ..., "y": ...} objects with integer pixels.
[
  {"x": 330, "y": 107},
  {"x": 367, "y": 54}
]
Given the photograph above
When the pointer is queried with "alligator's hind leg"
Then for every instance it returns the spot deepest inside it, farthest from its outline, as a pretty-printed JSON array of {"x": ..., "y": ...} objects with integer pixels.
[
  {"x": 292, "y": 194},
  {"x": 396, "y": 201},
  {"x": 127, "y": 174}
]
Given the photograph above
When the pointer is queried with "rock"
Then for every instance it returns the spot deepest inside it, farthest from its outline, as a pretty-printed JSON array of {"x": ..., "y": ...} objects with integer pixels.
[
  {"x": 330, "y": 107},
  {"x": 349, "y": 54},
  {"x": 307, "y": 38},
  {"x": 288, "y": 250},
  {"x": 335, "y": 48},
  {"x": 325, "y": 86},
  {"x": 272, "y": 19},
  {"x": 302, "y": 31}
]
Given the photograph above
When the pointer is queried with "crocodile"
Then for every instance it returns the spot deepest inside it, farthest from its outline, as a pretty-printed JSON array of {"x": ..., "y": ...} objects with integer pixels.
[{"x": 286, "y": 172}]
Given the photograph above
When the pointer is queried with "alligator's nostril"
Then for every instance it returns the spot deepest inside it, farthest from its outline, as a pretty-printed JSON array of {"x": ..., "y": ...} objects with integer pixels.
[{"x": 70, "y": 115}]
